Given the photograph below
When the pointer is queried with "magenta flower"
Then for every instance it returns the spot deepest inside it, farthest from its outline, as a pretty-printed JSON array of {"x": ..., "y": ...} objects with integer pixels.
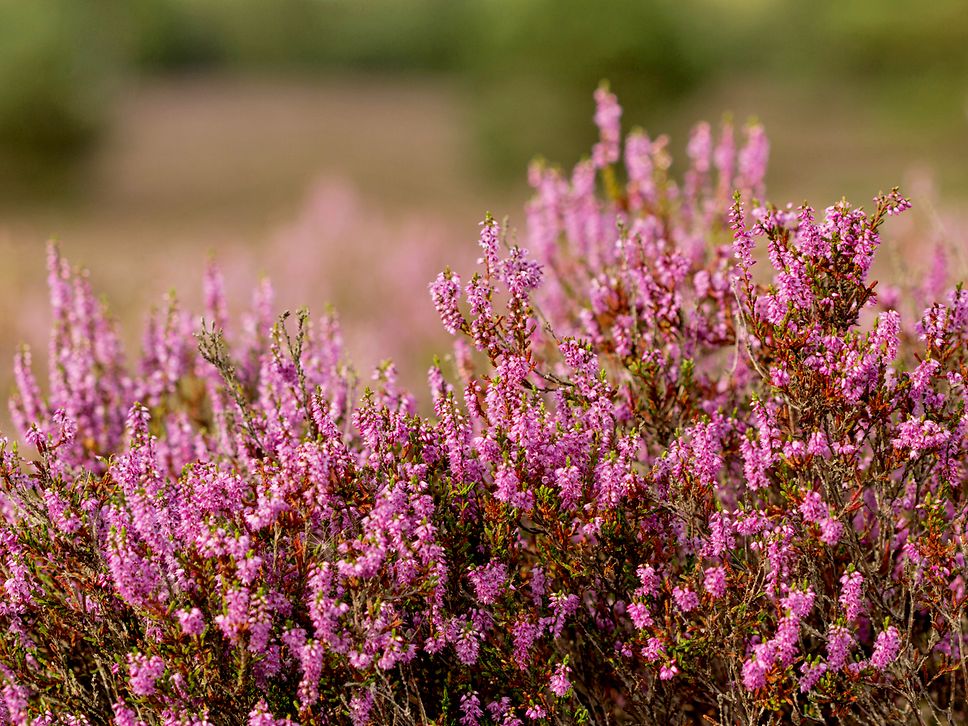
[
  {"x": 839, "y": 645},
  {"x": 144, "y": 672},
  {"x": 489, "y": 581},
  {"x": 668, "y": 671},
  {"x": 559, "y": 683},
  {"x": 715, "y": 581},
  {"x": 813, "y": 507},
  {"x": 886, "y": 648},
  {"x": 445, "y": 293},
  {"x": 852, "y": 594}
]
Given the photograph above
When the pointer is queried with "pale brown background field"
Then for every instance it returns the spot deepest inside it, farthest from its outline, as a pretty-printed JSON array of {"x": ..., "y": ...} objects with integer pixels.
[{"x": 355, "y": 190}]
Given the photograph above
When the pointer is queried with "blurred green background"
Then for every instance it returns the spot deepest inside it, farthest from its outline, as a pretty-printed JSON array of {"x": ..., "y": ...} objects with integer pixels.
[
  {"x": 145, "y": 133},
  {"x": 523, "y": 69}
]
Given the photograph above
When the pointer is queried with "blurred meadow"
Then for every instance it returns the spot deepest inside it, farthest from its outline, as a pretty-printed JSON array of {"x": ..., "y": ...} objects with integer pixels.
[{"x": 348, "y": 148}]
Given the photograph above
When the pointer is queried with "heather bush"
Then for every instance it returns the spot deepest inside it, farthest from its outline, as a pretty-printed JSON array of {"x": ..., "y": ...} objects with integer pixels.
[{"x": 653, "y": 483}]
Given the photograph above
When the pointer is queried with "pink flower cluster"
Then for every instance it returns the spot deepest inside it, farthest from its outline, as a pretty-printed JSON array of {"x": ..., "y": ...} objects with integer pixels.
[{"x": 651, "y": 482}]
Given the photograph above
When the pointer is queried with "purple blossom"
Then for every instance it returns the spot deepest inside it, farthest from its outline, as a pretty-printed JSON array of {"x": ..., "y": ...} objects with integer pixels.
[
  {"x": 489, "y": 581},
  {"x": 524, "y": 633},
  {"x": 489, "y": 242},
  {"x": 470, "y": 706},
  {"x": 192, "y": 621},
  {"x": 813, "y": 507},
  {"x": 641, "y": 617},
  {"x": 563, "y": 606},
  {"x": 893, "y": 202},
  {"x": 920, "y": 435},
  {"x": 753, "y": 159},
  {"x": 743, "y": 243},
  {"x": 607, "y": 116},
  {"x": 535, "y": 712},
  {"x": 721, "y": 534},
  {"x": 569, "y": 481},
  {"x": 445, "y": 292},
  {"x": 559, "y": 683},
  {"x": 668, "y": 671},
  {"x": 831, "y": 531},
  {"x": 144, "y": 672},
  {"x": 812, "y": 673},
  {"x": 799, "y": 603},
  {"x": 260, "y": 715},
  {"x": 685, "y": 598},
  {"x": 360, "y": 706},
  {"x": 754, "y": 673},
  {"x": 520, "y": 274},
  {"x": 787, "y": 639},
  {"x": 467, "y": 645},
  {"x": 653, "y": 649},
  {"x": 852, "y": 594},
  {"x": 886, "y": 648},
  {"x": 649, "y": 580},
  {"x": 839, "y": 645},
  {"x": 715, "y": 581}
]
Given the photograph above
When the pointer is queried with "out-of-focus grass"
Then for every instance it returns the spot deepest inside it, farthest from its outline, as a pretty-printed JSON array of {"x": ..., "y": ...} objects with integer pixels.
[{"x": 524, "y": 66}]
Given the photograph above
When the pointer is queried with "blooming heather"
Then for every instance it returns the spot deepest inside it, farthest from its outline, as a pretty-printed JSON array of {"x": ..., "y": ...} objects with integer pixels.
[
  {"x": 886, "y": 648},
  {"x": 686, "y": 461},
  {"x": 559, "y": 683},
  {"x": 715, "y": 581}
]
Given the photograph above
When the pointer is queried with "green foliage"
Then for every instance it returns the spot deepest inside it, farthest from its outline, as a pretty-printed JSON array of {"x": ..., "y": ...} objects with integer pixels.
[
  {"x": 525, "y": 65},
  {"x": 55, "y": 67}
]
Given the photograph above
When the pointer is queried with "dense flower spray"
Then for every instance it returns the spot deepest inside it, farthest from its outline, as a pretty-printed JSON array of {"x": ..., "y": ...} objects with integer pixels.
[{"x": 658, "y": 483}]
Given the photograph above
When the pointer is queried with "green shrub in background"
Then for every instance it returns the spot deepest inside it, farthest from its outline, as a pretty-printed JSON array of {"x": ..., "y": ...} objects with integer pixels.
[
  {"x": 56, "y": 64},
  {"x": 530, "y": 61},
  {"x": 525, "y": 65}
]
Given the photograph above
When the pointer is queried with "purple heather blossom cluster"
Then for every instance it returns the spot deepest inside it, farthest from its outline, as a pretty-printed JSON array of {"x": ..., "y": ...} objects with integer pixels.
[{"x": 683, "y": 463}]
